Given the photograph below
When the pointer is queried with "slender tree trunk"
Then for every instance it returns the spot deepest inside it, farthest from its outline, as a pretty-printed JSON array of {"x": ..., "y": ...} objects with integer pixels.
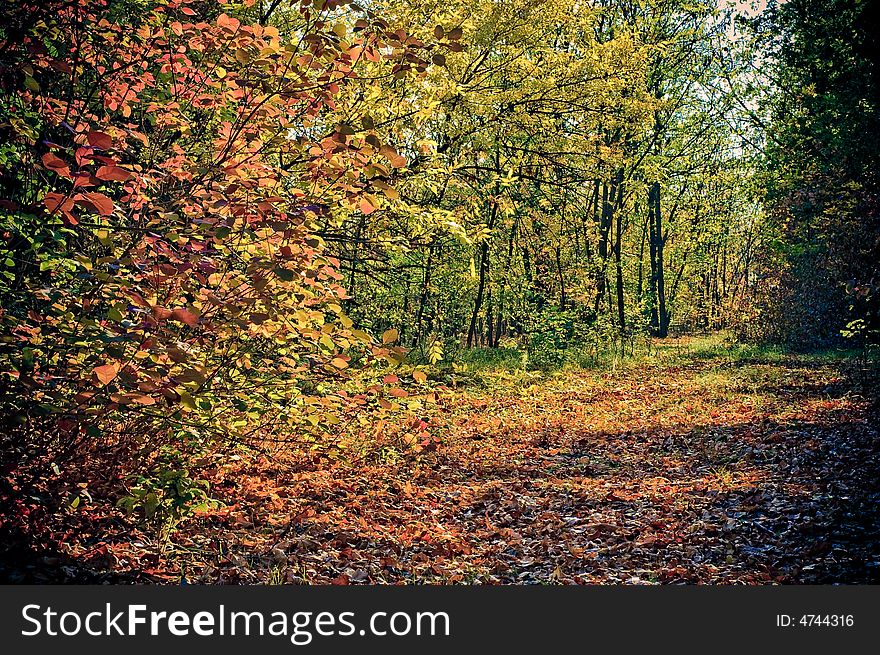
[
  {"x": 593, "y": 211},
  {"x": 499, "y": 323},
  {"x": 503, "y": 286},
  {"x": 490, "y": 320},
  {"x": 473, "y": 331},
  {"x": 423, "y": 298},
  {"x": 659, "y": 312},
  {"x": 641, "y": 270},
  {"x": 604, "y": 227},
  {"x": 481, "y": 289},
  {"x": 621, "y": 319},
  {"x": 561, "y": 274}
]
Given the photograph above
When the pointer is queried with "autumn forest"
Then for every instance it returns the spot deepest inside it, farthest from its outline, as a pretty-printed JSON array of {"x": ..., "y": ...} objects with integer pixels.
[{"x": 407, "y": 291}]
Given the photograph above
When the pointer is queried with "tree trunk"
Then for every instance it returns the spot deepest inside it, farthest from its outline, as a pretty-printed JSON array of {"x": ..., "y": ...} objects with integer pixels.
[
  {"x": 604, "y": 228},
  {"x": 481, "y": 286},
  {"x": 423, "y": 298},
  {"x": 641, "y": 271},
  {"x": 659, "y": 312},
  {"x": 481, "y": 289},
  {"x": 619, "y": 268}
]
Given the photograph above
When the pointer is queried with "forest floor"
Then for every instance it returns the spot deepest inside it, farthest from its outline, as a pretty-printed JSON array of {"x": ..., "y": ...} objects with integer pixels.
[{"x": 695, "y": 465}]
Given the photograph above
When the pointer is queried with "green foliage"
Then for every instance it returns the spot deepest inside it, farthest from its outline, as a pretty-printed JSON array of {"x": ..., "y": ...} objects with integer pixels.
[
  {"x": 552, "y": 334},
  {"x": 864, "y": 303},
  {"x": 820, "y": 182},
  {"x": 534, "y": 147},
  {"x": 167, "y": 493}
]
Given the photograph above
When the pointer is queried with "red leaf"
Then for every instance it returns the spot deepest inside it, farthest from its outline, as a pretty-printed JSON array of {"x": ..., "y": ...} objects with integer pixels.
[
  {"x": 57, "y": 202},
  {"x": 105, "y": 374},
  {"x": 113, "y": 173},
  {"x": 83, "y": 155},
  {"x": 96, "y": 201},
  {"x": 100, "y": 140},
  {"x": 185, "y": 316},
  {"x": 56, "y": 165},
  {"x": 83, "y": 179}
]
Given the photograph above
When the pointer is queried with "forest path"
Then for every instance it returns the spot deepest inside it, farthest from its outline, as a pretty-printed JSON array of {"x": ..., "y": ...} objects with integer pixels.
[
  {"x": 695, "y": 468},
  {"x": 710, "y": 470}
]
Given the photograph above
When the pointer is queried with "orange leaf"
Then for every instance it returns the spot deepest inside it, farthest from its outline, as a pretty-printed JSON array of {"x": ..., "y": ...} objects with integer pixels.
[
  {"x": 390, "y": 336},
  {"x": 419, "y": 376},
  {"x": 160, "y": 313},
  {"x": 228, "y": 23},
  {"x": 396, "y": 160},
  {"x": 397, "y": 392},
  {"x": 106, "y": 373}
]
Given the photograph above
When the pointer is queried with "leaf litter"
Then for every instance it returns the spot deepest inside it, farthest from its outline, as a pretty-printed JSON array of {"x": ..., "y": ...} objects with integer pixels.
[{"x": 708, "y": 472}]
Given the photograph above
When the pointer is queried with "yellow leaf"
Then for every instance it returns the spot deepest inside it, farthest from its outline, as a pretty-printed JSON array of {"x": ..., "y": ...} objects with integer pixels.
[
  {"x": 390, "y": 336},
  {"x": 187, "y": 401},
  {"x": 361, "y": 336}
]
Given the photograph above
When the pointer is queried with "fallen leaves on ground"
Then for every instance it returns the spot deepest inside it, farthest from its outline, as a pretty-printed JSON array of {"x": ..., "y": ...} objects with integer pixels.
[{"x": 712, "y": 471}]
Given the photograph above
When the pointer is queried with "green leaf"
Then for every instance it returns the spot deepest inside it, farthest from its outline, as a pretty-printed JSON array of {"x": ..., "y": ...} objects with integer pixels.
[{"x": 285, "y": 274}]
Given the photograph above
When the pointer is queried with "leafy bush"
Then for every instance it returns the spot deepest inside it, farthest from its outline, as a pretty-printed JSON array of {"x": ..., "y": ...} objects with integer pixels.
[
  {"x": 553, "y": 335},
  {"x": 167, "y": 493},
  {"x": 159, "y": 266}
]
